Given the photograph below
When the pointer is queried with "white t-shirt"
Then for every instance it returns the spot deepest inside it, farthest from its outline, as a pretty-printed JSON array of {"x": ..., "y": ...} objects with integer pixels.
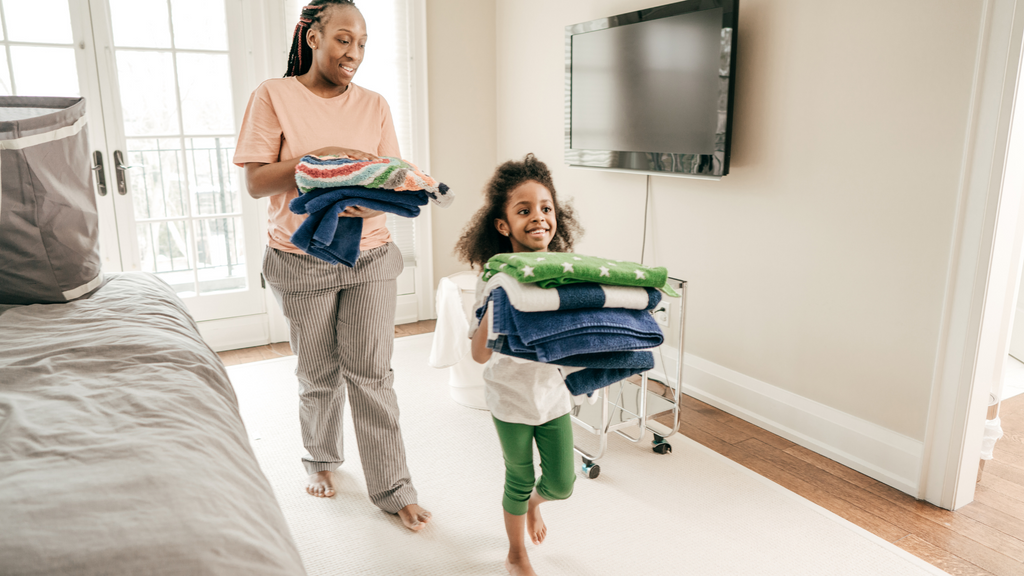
[{"x": 522, "y": 391}]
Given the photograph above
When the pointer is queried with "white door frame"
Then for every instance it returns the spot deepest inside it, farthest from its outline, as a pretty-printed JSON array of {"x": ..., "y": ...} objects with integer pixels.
[
  {"x": 984, "y": 259},
  {"x": 267, "y": 49},
  {"x": 421, "y": 139},
  {"x": 226, "y": 310},
  {"x": 85, "y": 61}
]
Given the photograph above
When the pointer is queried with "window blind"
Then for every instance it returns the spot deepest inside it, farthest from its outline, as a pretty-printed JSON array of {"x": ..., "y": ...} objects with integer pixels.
[{"x": 387, "y": 70}]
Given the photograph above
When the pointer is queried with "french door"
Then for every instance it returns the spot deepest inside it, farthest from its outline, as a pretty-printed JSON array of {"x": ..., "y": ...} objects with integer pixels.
[
  {"x": 166, "y": 84},
  {"x": 168, "y": 80}
]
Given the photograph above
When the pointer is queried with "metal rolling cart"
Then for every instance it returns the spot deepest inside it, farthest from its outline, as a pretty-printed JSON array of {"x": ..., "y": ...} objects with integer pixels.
[{"x": 630, "y": 405}]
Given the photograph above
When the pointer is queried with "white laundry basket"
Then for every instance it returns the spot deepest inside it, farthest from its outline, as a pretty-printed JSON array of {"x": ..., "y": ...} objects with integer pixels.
[{"x": 456, "y": 295}]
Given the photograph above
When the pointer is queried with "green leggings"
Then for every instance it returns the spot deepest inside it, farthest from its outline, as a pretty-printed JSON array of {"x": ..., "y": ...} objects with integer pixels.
[{"x": 554, "y": 442}]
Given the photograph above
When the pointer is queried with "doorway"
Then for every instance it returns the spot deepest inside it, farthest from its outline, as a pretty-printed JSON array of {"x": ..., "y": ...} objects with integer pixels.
[
  {"x": 166, "y": 84},
  {"x": 985, "y": 259},
  {"x": 172, "y": 94}
]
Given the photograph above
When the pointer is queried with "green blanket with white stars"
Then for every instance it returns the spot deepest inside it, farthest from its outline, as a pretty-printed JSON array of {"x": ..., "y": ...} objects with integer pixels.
[{"x": 551, "y": 269}]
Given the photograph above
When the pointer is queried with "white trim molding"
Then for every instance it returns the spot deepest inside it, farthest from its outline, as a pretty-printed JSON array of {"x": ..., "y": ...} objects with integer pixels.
[
  {"x": 425, "y": 283},
  {"x": 235, "y": 333},
  {"x": 866, "y": 447},
  {"x": 979, "y": 268}
]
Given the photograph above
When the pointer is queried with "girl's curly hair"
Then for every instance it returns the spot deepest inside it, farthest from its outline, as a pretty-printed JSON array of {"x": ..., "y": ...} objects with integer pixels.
[{"x": 480, "y": 239}]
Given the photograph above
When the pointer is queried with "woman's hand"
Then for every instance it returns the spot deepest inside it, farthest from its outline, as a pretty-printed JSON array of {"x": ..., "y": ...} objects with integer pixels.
[
  {"x": 359, "y": 212},
  {"x": 346, "y": 152}
]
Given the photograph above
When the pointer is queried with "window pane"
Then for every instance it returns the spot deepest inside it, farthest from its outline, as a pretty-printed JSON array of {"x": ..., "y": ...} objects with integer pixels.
[
  {"x": 199, "y": 24},
  {"x": 386, "y": 66},
  {"x": 5, "y": 74},
  {"x": 213, "y": 178},
  {"x": 59, "y": 77},
  {"x": 27, "y": 18},
  {"x": 163, "y": 248},
  {"x": 158, "y": 185},
  {"x": 147, "y": 93},
  {"x": 205, "y": 84},
  {"x": 140, "y": 23},
  {"x": 221, "y": 254}
]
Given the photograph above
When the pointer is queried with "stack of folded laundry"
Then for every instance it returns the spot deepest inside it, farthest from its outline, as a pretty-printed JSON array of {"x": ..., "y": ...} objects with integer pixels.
[
  {"x": 589, "y": 315},
  {"x": 329, "y": 184}
]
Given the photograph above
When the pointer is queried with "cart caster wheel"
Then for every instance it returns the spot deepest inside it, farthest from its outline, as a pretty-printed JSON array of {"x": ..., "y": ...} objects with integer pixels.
[
  {"x": 660, "y": 446},
  {"x": 591, "y": 470}
]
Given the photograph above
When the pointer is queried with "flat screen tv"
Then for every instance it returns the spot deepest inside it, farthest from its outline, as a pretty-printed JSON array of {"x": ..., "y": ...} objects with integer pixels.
[{"x": 651, "y": 91}]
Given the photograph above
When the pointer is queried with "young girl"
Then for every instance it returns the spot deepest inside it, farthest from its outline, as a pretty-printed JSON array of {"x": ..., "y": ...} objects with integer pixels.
[
  {"x": 341, "y": 319},
  {"x": 529, "y": 401}
]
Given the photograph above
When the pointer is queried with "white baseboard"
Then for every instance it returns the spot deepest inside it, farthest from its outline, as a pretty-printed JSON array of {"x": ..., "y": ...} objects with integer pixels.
[
  {"x": 235, "y": 333},
  {"x": 873, "y": 450},
  {"x": 260, "y": 329},
  {"x": 407, "y": 309}
]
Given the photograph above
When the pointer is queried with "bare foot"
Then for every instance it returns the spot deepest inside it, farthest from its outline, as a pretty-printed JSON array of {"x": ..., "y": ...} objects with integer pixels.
[
  {"x": 519, "y": 565},
  {"x": 321, "y": 484},
  {"x": 535, "y": 526},
  {"x": 414, "y": 517}
]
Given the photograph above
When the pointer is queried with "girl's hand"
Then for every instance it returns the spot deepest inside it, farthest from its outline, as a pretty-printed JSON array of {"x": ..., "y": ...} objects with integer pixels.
[
  {"x": 478, "y": 346},
  {"x": 359, "y": 212},
  {"x": 346, "y": 152}
]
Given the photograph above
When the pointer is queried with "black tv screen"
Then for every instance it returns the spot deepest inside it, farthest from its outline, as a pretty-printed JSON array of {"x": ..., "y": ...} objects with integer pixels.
[{"x": 651, "y": 90}]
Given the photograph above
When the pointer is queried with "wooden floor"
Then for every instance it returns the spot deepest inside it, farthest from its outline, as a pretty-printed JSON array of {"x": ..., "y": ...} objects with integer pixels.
[
  {"x": 281, "y": 349},
  {"x": 985, "y": 537}
]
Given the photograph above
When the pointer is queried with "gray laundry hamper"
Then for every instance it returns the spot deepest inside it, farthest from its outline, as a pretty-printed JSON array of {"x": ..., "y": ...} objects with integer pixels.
[{"x": 49, "y": 226}]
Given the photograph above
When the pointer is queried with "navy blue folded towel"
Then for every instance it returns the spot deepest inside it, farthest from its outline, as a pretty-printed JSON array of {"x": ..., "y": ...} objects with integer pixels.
[
  {"x": 609, "y": 343},
  {"x": 557, "y": 334},
  {"x": 599, "y": 370},
  {"x": 336, "y": 239}
]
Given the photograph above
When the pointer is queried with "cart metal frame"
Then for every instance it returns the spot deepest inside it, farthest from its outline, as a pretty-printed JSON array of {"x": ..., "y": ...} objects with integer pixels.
[{"x": 639, "y": 418}]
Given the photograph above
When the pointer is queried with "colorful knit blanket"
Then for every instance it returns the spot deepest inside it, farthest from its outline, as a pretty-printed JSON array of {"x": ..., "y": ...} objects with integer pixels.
[
  {"x": 551, "y": 269},
  {"x": 314, "y": 172}
]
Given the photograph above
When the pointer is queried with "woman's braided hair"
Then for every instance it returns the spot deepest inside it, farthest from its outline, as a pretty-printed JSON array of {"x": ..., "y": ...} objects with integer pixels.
[{"x": 300, "y": 58}]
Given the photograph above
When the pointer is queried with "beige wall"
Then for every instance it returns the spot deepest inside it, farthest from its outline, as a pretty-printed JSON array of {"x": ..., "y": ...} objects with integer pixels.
[
  {"x": 460, "y": 60},
  {"x": 819, "y": 264}
]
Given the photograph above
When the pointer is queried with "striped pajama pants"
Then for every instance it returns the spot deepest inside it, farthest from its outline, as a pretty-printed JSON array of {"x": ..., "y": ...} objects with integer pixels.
[{"x": 341, "y": 324}]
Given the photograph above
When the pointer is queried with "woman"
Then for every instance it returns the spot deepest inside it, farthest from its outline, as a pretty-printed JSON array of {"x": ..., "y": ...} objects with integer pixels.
[{"x": 340, "y": 319}]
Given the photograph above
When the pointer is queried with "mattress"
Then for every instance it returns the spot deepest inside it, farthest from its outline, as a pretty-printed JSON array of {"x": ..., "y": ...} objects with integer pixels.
[{"x": 121, "y": 446}]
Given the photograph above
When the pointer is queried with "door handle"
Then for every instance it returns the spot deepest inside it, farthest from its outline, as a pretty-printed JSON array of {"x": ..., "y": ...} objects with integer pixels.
[
  {"x": 101, "y": 176},
  {"x": 120, "y": 168}
]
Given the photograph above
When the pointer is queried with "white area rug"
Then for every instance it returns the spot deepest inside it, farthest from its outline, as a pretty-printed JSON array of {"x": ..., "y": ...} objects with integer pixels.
[{"x": 690, "y": 512}]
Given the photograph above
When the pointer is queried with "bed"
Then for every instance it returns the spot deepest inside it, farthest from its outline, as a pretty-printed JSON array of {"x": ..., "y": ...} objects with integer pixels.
[{"x": 122, "y": 450}]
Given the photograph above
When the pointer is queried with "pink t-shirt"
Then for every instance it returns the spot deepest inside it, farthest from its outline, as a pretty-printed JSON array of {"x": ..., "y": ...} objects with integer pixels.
[{"x": 284, "y": 120}]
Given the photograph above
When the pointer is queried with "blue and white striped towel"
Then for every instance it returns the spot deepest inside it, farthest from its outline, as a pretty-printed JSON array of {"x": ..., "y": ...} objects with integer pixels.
[{"x": 532, "y": 298}]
